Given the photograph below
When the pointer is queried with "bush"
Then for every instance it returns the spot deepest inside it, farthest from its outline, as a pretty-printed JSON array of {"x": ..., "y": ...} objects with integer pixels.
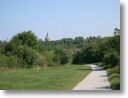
[
  {"x": 114, "y": 77},
  {"x": 62, "y": 56},
  {"x": 40, "y": 60},
  {"x": 51, "y": 58},
  {"x": 115, "y": 81},
  {"x": 111, "y": 58},
  {"x": 10, "y": 61},
  {"x": 114, "y": 70},
  {"x": 78, "y": 58},
  {"x": 115, "y": 84},
  {"x": 89, "y": 54},
  {"x": 29, "y": 57}
]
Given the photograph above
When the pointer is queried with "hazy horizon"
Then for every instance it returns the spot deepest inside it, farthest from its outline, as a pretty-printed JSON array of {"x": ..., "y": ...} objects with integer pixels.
[{"x": 60, "y": 18}]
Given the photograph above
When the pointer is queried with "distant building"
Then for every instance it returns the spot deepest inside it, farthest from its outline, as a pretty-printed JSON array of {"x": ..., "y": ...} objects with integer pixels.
[{"x": 47, "y": 38}]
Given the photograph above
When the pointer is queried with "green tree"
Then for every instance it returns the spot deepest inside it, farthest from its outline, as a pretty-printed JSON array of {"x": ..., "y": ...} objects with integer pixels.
[
  {"x": 2, "y": 46},
  {"x": 62, "y": 56},
  {"x": 9, "y": 49},
  {"x": 111, "y": 59},
  {"x": 116, "y": 31},
  {"x": 25, "y": 38},
  {"x": 78, "y": 40}
]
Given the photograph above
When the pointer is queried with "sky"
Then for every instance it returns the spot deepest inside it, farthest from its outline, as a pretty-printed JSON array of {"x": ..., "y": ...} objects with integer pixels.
[{"x": 60, "y": 18}]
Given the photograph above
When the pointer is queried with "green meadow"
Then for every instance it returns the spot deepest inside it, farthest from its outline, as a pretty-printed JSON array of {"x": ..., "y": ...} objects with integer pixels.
[{"x": 49, "y": 78}]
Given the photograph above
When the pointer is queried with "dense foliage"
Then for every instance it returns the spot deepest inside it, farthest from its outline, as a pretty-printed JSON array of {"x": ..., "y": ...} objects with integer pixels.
[
  {"x": 31, "y": 51},
  {"x": 25, "y": 38},
  {"x": 28, "y": 48}
]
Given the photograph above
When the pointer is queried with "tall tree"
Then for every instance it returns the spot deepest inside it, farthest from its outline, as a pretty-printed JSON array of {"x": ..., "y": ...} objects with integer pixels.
[{"x": 25, "y": 38}]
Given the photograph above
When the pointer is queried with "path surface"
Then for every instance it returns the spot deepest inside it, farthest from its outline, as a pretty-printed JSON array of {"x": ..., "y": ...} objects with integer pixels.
[{"x": 96, "y": 80}]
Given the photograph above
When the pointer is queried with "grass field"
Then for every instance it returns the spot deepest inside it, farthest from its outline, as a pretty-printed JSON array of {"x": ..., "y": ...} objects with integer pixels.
[{"x": 50, "y": 78}]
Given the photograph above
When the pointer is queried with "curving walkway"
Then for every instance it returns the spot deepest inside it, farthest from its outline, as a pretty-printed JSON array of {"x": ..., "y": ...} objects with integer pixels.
[{"x": 96, "y": 80}]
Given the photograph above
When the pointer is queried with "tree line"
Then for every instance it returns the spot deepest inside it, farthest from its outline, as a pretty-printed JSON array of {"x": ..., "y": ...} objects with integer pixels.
[{"x": 30, "y": 51}]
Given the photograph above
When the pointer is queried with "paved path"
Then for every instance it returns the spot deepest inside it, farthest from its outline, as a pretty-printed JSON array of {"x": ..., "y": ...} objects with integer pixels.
[{"x": 96, "y": 80}]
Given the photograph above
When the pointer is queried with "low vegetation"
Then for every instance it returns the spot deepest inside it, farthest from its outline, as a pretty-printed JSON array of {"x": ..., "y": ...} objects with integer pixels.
[{"x": 114, "y": 77}]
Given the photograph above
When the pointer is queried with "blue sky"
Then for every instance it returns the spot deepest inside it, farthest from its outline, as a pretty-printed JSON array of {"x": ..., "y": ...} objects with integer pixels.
[{"x": 60, "y": 18}]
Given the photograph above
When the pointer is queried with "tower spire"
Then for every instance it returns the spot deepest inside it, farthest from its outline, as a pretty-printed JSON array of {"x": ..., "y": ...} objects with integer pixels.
[{"x": 47, "y": 38}]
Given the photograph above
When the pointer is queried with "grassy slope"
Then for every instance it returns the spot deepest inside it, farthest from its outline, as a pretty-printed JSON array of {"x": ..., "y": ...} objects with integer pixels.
[
  {"x": 114, "y": 77},
  {"x": 54, "y": 78}
]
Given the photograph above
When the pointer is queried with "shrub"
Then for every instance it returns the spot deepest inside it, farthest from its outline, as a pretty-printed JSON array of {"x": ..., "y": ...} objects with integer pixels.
[
  {"x": 114, "y": 75},
  {"x": 51, "y": 58},
  {"x": 78, "y": 58},
  {"x": 89, "y": 54},
  {"x": 115, "y": 84},
  {"x": 62, "y": 56},
  {"x": 114, "y": 70},
  {"x": 29, "y": 56},
  {"x": 111, "y": 58},
  {"x": 40, "y": 60},
  {"x": 10, "y": 61},
  {"x": 115, "y": 81}
]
